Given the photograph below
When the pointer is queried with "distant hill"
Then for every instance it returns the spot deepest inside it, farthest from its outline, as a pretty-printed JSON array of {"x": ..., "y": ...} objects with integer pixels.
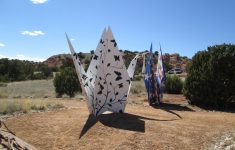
[
  {"x": 56, "y": 61},
  {"x": 177, "y": 61},
  {"x": 174, "y": 60}
]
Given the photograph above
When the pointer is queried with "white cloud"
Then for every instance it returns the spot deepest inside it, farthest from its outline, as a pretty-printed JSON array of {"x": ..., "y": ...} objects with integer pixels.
[
  {"x": 38, "y": 1},
  {"x": 33, "y": 33},
  {"x": 72, "y": 39},
  {"x": 2, "y": 45},
  {"x": 2, "y": 56},
  {"x": 23, "y": 57}
]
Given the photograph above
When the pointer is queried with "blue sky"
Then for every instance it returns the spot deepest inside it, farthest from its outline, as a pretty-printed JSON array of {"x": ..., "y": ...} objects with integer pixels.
[{"x": 34, "y": 29}]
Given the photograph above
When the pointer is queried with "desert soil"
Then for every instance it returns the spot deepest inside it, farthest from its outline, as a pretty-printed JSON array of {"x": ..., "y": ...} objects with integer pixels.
[{"x": 175, "y": 125}]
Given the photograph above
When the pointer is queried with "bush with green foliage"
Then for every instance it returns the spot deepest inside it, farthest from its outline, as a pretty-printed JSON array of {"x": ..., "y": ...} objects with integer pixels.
[
  {"x": 81, "y": 55},
  {"x": 87, "y": 61},
  {"x": 173, "y": 84},
  {"x": 46, "y": 71},
  {"x": 211, "y": 77},
  {"x": 66, "y": 82},
  {"x": 15, "y": 70},
  {"x": 92, "y": 52},
  {"x": 67, "y": 62},
  {"x": 18, "y": 70}
]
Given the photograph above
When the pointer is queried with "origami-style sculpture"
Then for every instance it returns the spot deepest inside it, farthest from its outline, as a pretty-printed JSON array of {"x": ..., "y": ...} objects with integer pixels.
[
  {"x": 154, "y": 79},
  {"x": 160, "y": 73},
  {"x": 107, "y": 81}
]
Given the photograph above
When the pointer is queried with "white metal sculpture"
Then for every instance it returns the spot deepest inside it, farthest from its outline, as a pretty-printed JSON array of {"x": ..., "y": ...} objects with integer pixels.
[{"x": 107, "y": 81}]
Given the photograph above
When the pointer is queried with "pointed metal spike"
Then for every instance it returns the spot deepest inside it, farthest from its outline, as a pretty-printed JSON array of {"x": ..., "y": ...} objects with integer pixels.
[{"x": 70, "y": 44}]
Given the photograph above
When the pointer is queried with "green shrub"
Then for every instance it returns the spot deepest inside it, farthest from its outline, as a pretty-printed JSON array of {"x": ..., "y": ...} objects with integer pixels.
[
  {"x": 15, "y": 70},
  {"x": 59, "y": 85},
  {"x": 46, "y": 71},
  {"x": 211, "y": 77},
  {"x": 87, "y": 61},
  {"x": 66, "y": 82},
  {"x": 173, "y": 84}
]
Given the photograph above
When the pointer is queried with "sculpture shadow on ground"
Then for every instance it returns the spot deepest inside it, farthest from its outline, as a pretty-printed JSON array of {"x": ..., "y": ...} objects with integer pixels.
[
  {"x": 169, "y": 107},
  {"x": 123, "y": 121}
]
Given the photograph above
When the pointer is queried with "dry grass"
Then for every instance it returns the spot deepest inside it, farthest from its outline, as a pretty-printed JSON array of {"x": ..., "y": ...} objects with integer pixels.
[
  {"x": 137, "y": 87},
  {"x": 10, "y": 106},
  {"x": 25, "y": 89},
  {"x": 45, "y": 88},
  {"x": 3, "y": 92}
]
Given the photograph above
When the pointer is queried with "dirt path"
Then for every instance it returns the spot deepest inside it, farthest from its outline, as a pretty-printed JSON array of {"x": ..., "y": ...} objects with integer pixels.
[{"x": 172, "y": 126}]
